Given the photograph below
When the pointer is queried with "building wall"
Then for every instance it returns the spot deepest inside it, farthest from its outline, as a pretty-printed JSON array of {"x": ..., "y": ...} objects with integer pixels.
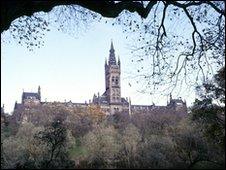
[{"x": 31, "y": 102}]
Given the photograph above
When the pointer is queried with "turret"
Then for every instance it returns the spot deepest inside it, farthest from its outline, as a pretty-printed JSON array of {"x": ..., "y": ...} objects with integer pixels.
[
  {"x": 39, "y": 92},
  {"x": 15, "y": 106},
  {"x": 94, "y": 98},
  {"x": 170, "y": 96},
  {"x": 106, "y": 62}
]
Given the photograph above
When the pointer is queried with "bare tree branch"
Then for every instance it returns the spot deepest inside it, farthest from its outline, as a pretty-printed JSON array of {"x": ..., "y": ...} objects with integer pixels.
[{"x": 10, "y": 10}]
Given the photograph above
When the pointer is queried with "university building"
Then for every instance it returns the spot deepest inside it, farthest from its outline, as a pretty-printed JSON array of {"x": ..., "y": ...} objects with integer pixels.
[{"x": 111, "y": 100}]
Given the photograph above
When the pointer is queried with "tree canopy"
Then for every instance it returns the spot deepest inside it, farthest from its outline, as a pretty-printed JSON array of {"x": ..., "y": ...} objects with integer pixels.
[{"x": 11, "y": 10}]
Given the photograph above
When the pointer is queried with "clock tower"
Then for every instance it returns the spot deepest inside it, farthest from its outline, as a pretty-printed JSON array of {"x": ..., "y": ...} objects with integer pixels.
[{"x": 112, "y": 81}]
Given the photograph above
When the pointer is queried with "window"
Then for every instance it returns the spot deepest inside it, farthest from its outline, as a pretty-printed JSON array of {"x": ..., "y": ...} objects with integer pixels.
[
  {"x": 113, "y": 78},
  {"x": 116, "y": 80}
]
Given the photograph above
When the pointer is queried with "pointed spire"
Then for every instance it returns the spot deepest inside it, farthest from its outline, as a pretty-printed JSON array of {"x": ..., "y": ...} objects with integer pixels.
[
  {"x": 39, "y": 92},
  {"x": 112, "y": 47},
  {"x": 106, "y": 63},
  {"x": 15, "y": 106},
  {"x": 119, "y": 61},
  {"x": 39, "y": 89},
  {"x": 112, "y": 60}
]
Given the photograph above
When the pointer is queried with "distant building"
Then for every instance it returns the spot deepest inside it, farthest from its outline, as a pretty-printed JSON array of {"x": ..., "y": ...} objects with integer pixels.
[
  {"x": 29, "y": 99},
  {"x": 110, "y": 101}
]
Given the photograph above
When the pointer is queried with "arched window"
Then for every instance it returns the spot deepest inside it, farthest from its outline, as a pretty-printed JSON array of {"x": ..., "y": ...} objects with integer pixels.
[
  {"x": 113, "y": 78},
  {"x": 116, "y": 80}
]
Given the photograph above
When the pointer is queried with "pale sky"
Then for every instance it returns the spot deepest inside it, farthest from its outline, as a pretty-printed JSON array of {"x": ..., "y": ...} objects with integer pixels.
[{"x": 69, "y": 68}]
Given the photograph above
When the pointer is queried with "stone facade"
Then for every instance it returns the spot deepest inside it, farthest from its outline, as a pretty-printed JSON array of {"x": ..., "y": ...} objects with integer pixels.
[{"x": 110, "y": 101}]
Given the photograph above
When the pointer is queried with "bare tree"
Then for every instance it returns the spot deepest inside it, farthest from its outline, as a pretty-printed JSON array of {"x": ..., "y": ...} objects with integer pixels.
[{"x": 178, "y": 43}]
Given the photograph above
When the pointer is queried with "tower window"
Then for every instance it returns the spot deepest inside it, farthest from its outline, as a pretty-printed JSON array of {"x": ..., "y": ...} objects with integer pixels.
[
  {"x": 115, "y": 108},
  {"x": 116, "y": 81},
  {"x": 113, "y": 78}
]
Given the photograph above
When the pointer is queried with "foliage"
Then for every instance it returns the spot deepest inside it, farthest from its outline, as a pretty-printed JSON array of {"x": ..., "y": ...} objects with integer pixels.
[
  {"x": 187, "y": 141},
  {"x": 119, "y": 120},
  {"x": 181, "y": 145},
  {"x": 153, "y": 123},
  {"x": 102, "y": 146},
  {"x": 156, "y": 152},
  {"x": 209, "y": 114},
  {"x": 81, "y": 120},
  {"x": 55, "y": 137},
  {"x": 215, "y": 89},
  {"x": 22, "y": 149},
  {"x": 129, "y": 140},
  {"x": 77, "y": 151},
  {"x": 192, "y": 147},
  {"x": 38, "y": 147}
]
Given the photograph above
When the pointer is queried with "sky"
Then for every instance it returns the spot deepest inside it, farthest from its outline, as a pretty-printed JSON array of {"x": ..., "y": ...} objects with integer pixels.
[{"x": 69, "y": 67}]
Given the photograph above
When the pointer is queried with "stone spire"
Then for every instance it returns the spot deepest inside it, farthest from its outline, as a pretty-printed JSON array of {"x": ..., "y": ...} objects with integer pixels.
[
  {"x": 39, "y": 92},
  {"x": 15, "y": 106},
  {"x": 170, "y": 96},
  {"x": 39, "y": 89},
  {"x": 112, "y": 47},
  {"x": 106, "y": 63},
  {"x": 112, "y": 60},
  {"x": 119, "y": 61}
]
